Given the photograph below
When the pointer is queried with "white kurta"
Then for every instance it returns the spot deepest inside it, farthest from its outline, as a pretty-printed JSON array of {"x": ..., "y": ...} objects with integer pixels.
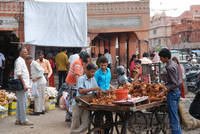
[{"x": 38, "y": 71}]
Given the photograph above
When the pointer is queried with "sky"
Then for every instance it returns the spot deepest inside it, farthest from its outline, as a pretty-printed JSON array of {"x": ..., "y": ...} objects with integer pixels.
[{"x": 171, "y": 7}]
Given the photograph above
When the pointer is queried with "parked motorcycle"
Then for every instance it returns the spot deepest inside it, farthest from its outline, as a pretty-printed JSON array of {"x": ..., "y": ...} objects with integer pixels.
[
  {"x": 192, "y": 78},
  {"x": 121, "y": 76}
]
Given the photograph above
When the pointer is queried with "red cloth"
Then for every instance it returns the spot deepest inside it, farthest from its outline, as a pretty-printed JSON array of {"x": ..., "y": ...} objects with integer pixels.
[
  {"x": 76, "y": 69},
  {"x": 51, "y": 78},
  {"x": 182, "y": 87},
  {"x": 132, "y": 66}
]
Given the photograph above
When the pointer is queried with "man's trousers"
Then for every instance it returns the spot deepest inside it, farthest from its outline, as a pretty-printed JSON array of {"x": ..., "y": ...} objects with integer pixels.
[
  {"x": 39, "y": 103},
  {"x": 80, "y": 120},
  {"x": 173, "y": 98},
  {"x": 21, "y": 106}
]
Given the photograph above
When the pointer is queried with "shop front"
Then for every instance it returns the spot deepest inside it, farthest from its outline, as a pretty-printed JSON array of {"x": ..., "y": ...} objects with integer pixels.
[{"x": 8, "y": 45}]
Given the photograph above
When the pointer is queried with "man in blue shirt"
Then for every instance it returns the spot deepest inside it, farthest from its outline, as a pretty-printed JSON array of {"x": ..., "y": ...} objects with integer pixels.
[
  {"x": 103, "y": 78},
  {"x": 86, "y": 84},
  {"x": 103, "y": 74}
]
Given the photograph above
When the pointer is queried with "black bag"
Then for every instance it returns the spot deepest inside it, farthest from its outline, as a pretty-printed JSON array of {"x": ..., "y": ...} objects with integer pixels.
[
  {"x": 195, "y": 107},
  {"x": 15, "y": 85}
]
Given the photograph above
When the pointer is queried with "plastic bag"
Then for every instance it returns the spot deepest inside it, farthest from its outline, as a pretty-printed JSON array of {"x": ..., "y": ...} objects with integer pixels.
[
  {"x": 62, "y": 101},
  {"x": 35, "y": 92}
]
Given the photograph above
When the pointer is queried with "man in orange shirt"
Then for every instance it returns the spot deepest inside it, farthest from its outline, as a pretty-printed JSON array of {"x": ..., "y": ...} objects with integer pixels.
[
  {"x": 44, "y": 63},
  {"x": 76, "y": 70}
]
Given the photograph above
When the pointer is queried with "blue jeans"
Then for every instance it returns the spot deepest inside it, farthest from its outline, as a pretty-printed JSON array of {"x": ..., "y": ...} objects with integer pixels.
[{"x": 173, "y": 98}]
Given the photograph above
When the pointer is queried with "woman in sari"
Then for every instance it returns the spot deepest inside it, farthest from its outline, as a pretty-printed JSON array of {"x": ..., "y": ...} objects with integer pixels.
[{"x": 52, "y": 63}]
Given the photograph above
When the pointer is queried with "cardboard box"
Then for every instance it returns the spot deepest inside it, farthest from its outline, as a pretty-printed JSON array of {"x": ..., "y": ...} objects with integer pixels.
[
  {"x": 52, "y": 105},
  {"x": 12, "y": 112},
  {"x": 3, "y": 114},
  {"x": 12, "y": 108},
  {"x": 13, "y": 105},
  {"x": 28, "y": 111},
  {"x": 28, "y": 107}
]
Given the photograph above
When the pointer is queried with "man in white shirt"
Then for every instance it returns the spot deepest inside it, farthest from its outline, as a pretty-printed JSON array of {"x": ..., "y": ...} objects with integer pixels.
[
  {"x": 37, "y": 75},
  {"x": 109, "y": 57},
  {"x": 145, "y": 59},
  {"x": 21, "y": 72},
  {"x": 2, "y": 67},
  {"x": 73, "y": 57}
]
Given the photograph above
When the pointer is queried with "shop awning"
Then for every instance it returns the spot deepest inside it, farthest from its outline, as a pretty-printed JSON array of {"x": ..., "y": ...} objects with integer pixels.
[{"x": 55, "y": 24}]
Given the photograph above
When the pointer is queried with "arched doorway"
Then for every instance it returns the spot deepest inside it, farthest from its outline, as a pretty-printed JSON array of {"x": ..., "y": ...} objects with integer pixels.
[{"x": 120, "y": 45}]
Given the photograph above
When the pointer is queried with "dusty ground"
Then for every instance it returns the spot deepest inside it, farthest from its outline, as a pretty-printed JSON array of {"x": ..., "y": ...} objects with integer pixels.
[{"x": 50, "y": 123}]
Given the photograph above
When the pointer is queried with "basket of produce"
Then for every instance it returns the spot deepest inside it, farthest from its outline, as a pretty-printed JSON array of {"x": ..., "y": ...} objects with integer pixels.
[{"x": 3, "y": 98}]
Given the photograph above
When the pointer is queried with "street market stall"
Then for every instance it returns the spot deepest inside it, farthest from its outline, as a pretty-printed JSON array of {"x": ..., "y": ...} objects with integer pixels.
[
  {"x": 8, "y": 101},
  {"x": 142, "y": 111}
]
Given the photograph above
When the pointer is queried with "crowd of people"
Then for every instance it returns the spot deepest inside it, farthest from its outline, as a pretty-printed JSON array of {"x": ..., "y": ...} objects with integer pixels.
[
  {"x": 136, "y": 71},
  {"x": 86, "y": 76},
  {"x": 41, "y": 73},
  {"x": 174, "y": 81},
  {"x": 38, "y": 73}
]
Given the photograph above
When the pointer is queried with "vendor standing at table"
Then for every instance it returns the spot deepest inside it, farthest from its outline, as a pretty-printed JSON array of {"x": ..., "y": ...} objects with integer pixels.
[
  {"x": 103, "y": 75},
  {"x": 103, "y": 78},
  {"x": 86, "y": 84},
  {"x": 173, "y": 85}
]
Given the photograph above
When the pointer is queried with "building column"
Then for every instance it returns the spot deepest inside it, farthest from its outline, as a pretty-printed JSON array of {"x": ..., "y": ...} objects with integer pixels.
[
  {"x": 92, "y": 47},
  {"x": 96, "y": 47},
  {"x": 143, "y": 47},
  {"x": 101, "y": 46},
  {"x": 107, "y": 44},
  {"x": 122, "y": 49},
  {"x": 113, "y": 50},
  {"x": 132, "y": 45}
]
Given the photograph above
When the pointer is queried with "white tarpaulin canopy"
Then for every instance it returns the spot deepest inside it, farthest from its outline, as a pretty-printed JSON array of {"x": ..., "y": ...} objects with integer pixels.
[{"x": 55, "y": 24}]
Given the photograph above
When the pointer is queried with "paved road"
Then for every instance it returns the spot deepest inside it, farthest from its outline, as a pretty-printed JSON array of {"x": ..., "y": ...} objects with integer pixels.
[{"x": 50, "y": 123}]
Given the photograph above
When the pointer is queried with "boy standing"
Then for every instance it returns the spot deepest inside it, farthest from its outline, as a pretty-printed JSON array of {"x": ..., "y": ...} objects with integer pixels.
[{"x": 173, "y": 85}]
